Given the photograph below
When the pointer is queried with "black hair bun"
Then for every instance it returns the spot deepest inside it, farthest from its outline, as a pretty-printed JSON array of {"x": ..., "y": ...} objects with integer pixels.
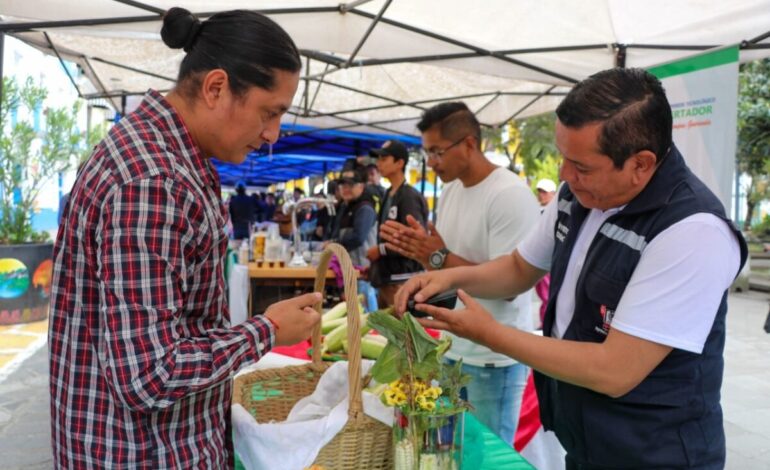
[{"x": 180, "y": 28}]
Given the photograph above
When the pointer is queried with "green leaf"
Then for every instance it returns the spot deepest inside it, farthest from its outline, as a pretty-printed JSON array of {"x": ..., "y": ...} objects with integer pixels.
[
  {"x": 387, "y": 368},
  {"x": 429, "y": 368},
  {"x": 389, "y": 326},
  {"x": 423, "y": 342}
]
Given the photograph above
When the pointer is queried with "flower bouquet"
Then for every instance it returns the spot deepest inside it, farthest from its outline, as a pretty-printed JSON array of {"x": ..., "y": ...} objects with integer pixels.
[{"x": 425, "y": 394}]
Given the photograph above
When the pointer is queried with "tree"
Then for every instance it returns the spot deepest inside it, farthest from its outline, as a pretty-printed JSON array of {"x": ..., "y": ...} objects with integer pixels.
[
  {"x": 529, "y": 144},
  {"x": 536, "y": 146},
  {"x": 28, "y": 159},
  {"x": 753, "y": 153}
]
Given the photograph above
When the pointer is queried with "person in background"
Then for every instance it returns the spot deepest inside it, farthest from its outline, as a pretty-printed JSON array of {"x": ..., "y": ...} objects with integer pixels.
[
  {"x": 355, "y": 226},
  {"x": 242, "y": 214},
  {"x": 298, "y": 194},
  {"x": 641, "y": 254},
  {"x": 390, "y": 269},
  {"x": 269, "y": 213},
  {"x": 374, "y": 180},
  {"x": 546, "y": 190},
  {"x": 141, "y": 349},
  {"x": 325, "y": 219},
  {"x": 259, "y": 206},
  {"x": 485, "y": 211}
]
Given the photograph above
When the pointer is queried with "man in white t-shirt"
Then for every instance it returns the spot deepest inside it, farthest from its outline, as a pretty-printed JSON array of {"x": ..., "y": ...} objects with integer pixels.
[
  {"x": 641, "y": 254},
  {"x": 484, "y": 212}
]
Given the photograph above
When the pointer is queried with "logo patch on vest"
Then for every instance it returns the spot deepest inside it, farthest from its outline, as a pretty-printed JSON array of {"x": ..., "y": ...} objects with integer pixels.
[
  {"x": 561, "y": 231},
  {"x": 393, "y": 213},
  {"x": 607, "y": 315}
]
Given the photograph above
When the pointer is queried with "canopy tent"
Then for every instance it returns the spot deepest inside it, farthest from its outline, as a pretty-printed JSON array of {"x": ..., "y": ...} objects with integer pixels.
[
  {"x": 375, "y": 65},
  {"x": 303, "y": 151}
]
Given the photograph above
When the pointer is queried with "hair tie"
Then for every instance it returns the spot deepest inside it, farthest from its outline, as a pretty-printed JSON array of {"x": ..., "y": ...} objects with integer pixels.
[{"x": 192, "y": 35}]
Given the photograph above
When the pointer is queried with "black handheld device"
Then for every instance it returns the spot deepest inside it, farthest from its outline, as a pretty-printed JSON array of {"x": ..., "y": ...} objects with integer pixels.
[{"x": 446, "y": 299}]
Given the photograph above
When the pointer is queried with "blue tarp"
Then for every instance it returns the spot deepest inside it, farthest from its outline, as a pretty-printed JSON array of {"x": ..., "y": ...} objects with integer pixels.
[{"x": 303, "y": 151}]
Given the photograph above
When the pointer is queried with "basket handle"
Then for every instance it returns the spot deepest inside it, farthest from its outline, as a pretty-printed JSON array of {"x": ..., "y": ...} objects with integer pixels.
[{"x": 350, "y": 278}]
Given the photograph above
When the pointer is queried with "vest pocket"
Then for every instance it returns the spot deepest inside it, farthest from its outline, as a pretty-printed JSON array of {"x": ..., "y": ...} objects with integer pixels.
[
  {"x": 596, "y": 310},
  {"x": 604, "y": 290}
]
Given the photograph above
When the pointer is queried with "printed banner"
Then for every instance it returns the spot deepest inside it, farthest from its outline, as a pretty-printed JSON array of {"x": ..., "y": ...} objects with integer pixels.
[{"x": 703, "y": 92}]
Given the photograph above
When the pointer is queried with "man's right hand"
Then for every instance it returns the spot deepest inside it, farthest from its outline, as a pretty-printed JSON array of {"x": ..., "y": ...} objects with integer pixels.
[
  {"x": 422, "y": 287},
  {"x": 295, "y": 318}
]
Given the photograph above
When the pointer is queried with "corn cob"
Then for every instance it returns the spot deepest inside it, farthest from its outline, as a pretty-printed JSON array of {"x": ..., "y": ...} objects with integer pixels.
[
  {"x": 328, "y": 326},
  {"x": 371, "y": 349},
  {"x": 333, "y": 341},
  {"x": 338, "y": 311}
]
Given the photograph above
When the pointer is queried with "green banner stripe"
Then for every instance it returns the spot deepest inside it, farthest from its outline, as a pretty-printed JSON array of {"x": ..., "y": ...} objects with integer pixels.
[{"x": 699, "y": 62}]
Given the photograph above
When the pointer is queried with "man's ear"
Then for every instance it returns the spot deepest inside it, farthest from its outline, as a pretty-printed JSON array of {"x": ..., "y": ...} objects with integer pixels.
[
  {"x": 644, "y": 163},
  {"x": 214, "y": 87}
]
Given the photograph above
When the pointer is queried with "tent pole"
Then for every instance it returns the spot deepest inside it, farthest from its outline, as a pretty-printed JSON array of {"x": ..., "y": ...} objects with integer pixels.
[
  {"x": 305, "y": 96},
  {"x": 32, "y": 25},
  {"x": 422, "y": 179},
  {"x": 368, "y": 33},
  {"x": 466, "y": 55},
  {"x": 143, "y": 6},
  {"x": 133, "y": 69},
  {"x": 478, "y": 50},
  {"x": 523, "y": 108},
  {"x": 620, "y": 55},
  {"x": 63, "y": 65},
  {"x": 317, "y": 89},
  {"x": 496, "y": 95}
]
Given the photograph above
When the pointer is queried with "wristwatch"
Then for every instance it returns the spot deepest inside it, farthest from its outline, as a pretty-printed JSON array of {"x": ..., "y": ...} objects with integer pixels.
[{"x": 437, "y": 259}]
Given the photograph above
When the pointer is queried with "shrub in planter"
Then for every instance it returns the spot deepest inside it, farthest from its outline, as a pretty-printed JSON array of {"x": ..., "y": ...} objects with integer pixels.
[{"x": 28, "y": 160}]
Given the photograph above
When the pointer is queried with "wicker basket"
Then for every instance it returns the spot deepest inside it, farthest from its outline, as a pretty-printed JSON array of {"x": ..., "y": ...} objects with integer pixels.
[{"x": 363, "y": 443}]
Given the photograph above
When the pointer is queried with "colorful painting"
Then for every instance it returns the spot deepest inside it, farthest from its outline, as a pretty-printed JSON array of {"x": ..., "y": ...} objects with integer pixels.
[
  {"x": 42, "y": 278},
  {"x": 14, "y": 278}
]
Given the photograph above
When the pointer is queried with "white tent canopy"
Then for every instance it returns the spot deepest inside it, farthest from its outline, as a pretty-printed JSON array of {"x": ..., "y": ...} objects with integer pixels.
[{"x": 375, "y": 65}]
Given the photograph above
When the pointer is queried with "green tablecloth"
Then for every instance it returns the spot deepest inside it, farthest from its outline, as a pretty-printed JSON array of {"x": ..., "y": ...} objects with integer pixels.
[{"x": 482, "y": 450}]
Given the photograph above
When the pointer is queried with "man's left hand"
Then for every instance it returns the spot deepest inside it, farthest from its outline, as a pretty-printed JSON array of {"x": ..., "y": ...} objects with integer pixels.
[
  {"x": 473, "y": 322},
  {"x": 412, "y": 240}
]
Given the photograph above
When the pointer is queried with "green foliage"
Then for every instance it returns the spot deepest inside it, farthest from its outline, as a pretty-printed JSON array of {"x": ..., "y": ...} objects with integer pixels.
[
  {"x": 753, "y": 155},
  {"x": 28, "y": 160},
  {"x": 762, "y": 229},
  {"x": 537, "y": 148}
]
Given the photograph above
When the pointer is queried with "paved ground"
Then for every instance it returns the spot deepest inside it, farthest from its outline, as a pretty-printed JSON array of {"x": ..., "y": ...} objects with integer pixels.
[
  {"x": 24, "y": 412},
  {"x": 25, "y": 442}
]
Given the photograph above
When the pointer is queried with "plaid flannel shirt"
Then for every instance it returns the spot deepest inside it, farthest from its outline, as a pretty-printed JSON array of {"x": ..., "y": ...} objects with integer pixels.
[{"x": 141, "y": 349}]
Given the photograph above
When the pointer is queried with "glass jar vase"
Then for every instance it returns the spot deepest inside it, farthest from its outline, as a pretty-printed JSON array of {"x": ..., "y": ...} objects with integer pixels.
[{"x": 427, "y": 442}]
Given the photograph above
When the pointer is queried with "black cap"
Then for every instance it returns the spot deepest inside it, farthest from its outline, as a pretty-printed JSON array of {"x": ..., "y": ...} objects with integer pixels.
[
  {"x": 352, "y": 172},
  {"x": 393, "y": 148}
]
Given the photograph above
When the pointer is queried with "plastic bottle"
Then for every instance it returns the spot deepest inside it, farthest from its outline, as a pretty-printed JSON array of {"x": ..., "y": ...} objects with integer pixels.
[
  {"x": 273, "y": 245},
  {"x": 243, "y": 253},
  {"x": 259, "y": 245}
]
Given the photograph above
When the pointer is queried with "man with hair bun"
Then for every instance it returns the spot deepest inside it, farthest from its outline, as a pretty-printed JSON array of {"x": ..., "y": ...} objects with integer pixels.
[{"x": 142, "y": 352}]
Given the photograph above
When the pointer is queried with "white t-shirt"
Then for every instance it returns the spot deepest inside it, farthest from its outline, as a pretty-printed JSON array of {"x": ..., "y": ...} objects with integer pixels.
[
  {"x": 675, "y": 290},
  {"x": 480, "y": 223}
]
